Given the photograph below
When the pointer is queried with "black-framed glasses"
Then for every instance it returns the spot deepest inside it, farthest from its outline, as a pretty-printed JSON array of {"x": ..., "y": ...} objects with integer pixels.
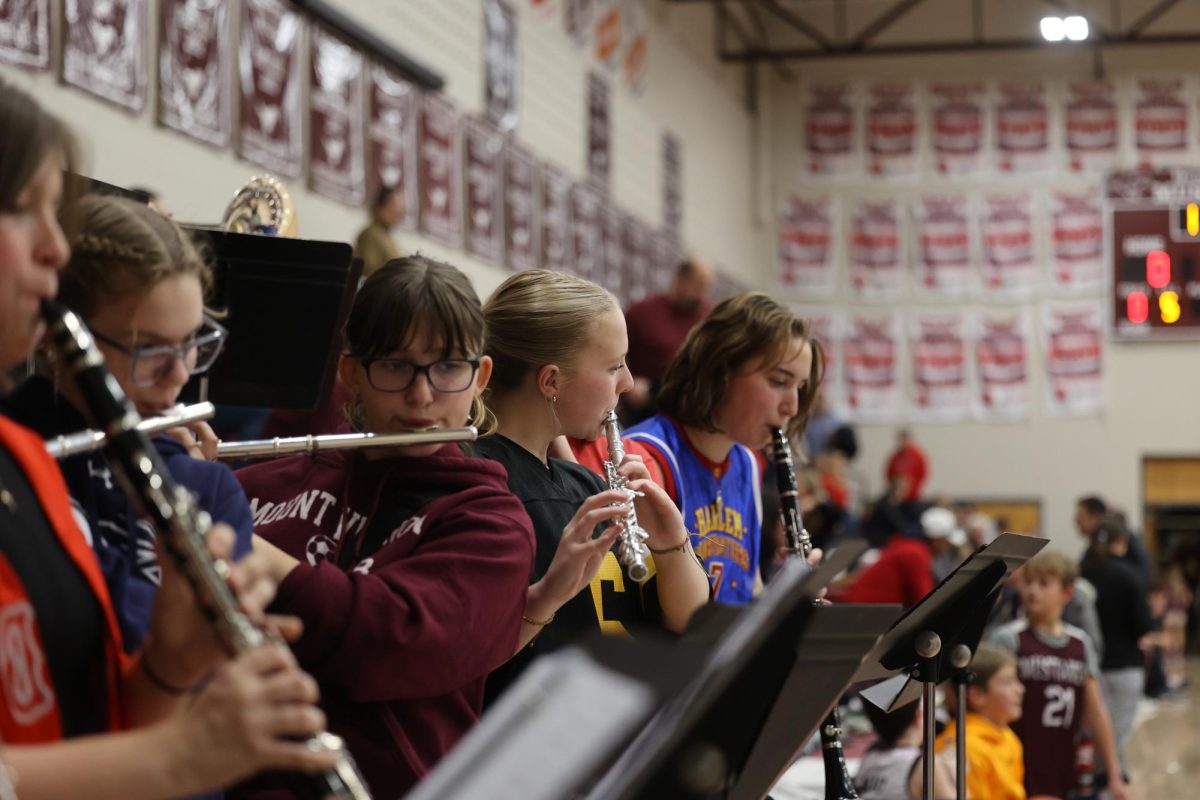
[
  {"x": 396, "y": 375},
  {"x": 150, "y": 363}
]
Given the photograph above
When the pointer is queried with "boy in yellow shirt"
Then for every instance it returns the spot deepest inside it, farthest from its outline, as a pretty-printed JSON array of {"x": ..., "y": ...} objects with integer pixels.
[{"x": 995, "y": 766}]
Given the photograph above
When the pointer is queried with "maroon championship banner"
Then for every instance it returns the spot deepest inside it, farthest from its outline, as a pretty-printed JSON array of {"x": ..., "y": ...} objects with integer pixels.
[
  {"x": 269, "y": 86},
  {"x": 393, "y": 110},
  {"x": 958, "y": 129},
  {"x": 940, "y": 390},
  {"x": 1076, "y": 240},
  {"x": 598, "y": 134},
  {"x": 891, "y": 129},
  {"x": 521, "y": 240},
  {"x": 672, "y": 178},
  {"x": 500, "y": 79},
  {"x": 944, "y": 251},
  {"x": 1022, "y": 127},
  {"x": 554, "y": 208},
  {"x": 104, "y": 50},
  {"x": 438, "y": 170},
  {"x": 1009, "y": 267},
  {"x": 871, "y": 368},
  {"x": 336, "y": 164},
  {"x": 827, "y": 326},
  {"x": 587, "y": 232},
  {"x": 1073, "y": 355},
  {"x": 830, "y": 130},
  {"x": 1092, "y": 129},
  {"x": 194, "y": 62},
  {"x": 876, "y": 249},
  {"x": 806, "y": 251},
  {"x": 614, "y": 254},
  {"x": 25, "y": 34},
  {"x": 483, "y": 169},
  {"x": 1001, "y": 343},
  {"x": 638, "y": 259},
  {"x": 1161, "y": 121}
]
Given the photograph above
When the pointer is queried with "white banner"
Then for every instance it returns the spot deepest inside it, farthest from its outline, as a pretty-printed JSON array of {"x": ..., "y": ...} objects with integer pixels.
[
  {"x": 892, "y": 129},
  {"x": 831, "y": 130},
  {"x": 1076, "y": 240},
  {"x": 875, "y": 249},
  {"x": 1022, "y": 127},
  {"x": 940, "y": 389},
  {"x": 871, "y": 367},
  {"x": 959, "y": 132},
  {"x": 1009, "y": 266},
  {"x": 828, "y": 327},
  {"x": 1092, "y": 130},
  {"x": 944, "y": 251},
  {"x": 1162, "y": 120},
  {"x": 1000, "y": 343},
  {"x": 807, "y": 232},
  {"x": 1073, "y": 355}
]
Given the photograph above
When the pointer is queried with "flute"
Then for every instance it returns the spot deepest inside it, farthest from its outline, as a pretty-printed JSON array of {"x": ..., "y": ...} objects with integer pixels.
[
  {"x": 70, "y": 444},
  {"x": 309, "y": 445}
]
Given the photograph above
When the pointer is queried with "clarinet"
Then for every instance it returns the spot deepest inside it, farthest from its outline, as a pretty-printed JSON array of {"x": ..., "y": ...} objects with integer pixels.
[
  {"x": 838, "y": 785},
  {"x": 180, "y": 524},
  {"x": 633, "y": 538}
]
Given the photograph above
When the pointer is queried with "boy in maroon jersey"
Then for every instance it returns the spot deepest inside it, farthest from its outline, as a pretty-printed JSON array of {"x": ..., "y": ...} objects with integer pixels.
[{"x": 1058, "y": 665}]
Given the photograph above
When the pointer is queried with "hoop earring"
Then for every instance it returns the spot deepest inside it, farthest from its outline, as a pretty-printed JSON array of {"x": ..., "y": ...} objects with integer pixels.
[{"x": 354, "y": 414}]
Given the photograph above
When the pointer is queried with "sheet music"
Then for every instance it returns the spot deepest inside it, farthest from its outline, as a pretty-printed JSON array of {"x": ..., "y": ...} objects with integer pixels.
[{"x": 554, "y": 725}]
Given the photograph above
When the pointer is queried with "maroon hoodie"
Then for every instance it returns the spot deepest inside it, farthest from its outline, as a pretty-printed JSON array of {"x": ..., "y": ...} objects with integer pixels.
[{"x": 411, "y": 587}]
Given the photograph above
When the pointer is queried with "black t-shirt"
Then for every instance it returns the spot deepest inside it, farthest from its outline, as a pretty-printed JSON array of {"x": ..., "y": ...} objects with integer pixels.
[
  {"x": 67, "y": 614},
  {"x": 1122, "y": 609},
  {"x": 613, "y": 604}
]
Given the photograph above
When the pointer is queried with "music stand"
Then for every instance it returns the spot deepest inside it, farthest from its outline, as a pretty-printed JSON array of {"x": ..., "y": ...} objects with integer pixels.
[
  {"x": 287, "y": 300},
  {"x": 927, "y": 643},
  {"x": 771, "y": 679}
]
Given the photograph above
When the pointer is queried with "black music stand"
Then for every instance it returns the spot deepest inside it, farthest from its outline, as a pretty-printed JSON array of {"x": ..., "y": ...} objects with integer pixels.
[
  {"x": 287, "y": 300},
  {"x": 935, "y": 638}
]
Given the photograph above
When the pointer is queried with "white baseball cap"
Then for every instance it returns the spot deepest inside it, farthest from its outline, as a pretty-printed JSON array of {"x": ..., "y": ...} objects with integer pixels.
[{"x": 940, "y": 523}]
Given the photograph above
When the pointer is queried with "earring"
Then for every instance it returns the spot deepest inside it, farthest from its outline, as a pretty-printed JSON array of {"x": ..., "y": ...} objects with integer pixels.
[{"x": 554, "y": 399}]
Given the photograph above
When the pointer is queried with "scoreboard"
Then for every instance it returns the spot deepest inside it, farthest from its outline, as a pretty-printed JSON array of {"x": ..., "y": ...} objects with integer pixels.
[{"x": 1155, "y": 252}]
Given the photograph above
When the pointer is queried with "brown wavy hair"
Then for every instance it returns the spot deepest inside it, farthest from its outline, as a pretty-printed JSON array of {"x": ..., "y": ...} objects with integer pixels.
[
  {"x": 740, "y": 329},
  {"x": 30, "y": 134}
]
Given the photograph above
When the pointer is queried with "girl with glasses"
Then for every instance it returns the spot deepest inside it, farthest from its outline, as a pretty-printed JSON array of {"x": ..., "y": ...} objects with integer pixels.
[
  {"x": 78, "y": 717},
  {"x": 559, "y": 346},
  {"x": 408, "y": 565},
  {"x": 137, "y": 281}
]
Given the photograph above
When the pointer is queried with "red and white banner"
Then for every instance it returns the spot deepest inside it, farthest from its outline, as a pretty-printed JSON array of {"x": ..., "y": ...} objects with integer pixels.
[
  {"x": 807, "y": 232},
  {"x": 336, "y": 163},
  {"x": 831, "y": 130},
  {"x": 940, "y": 389},
  {"x": 959, "y": 130},
  {"x": 876, "y": 249},
  {"x": 554, "y": 208},
  {"x": 1073, "y": 355},
  {"x": 394, "y": 109},
  {"x": 194, "y": 64},
  {"x": 438, "y": 167},
  {"x": 892, "y": 130},
  {"x": 827, "y": 326},
  {"x": 1009, "y": 267},
  {"x": 944, "y": 251},
  {"x": 25, "y": 34},
  {"x": 1001, "y": 346},
  {"x": 871, "y": 367},
  {"x": 1022, "y": 127},
  {"x": 1161, "y": 121},
  {"x": 483, "y": 169},
  {"x": 269, "y": 86},
  {"x": 1076, "y": 240},
  {"x": 1092, "y": 126},
  {"x": 521, "y": 233},
  {"x": 104, "y": 50}
]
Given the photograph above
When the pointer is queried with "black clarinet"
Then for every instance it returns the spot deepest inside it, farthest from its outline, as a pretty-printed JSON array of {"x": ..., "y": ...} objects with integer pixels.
[
  {"x": 181, "y": 525},
  {"x": 838, "y": 785}
]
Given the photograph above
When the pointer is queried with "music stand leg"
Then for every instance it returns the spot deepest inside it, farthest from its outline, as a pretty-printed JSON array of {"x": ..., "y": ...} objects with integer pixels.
[
  {"x": 960, "y": 660},
  {"x": 928, "y": 646}
]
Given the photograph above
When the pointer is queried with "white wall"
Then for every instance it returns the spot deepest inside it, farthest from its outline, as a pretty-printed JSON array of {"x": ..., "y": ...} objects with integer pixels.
[
  {"x": 1150, "y": 389},
  {"x": 686, "y": 92}
]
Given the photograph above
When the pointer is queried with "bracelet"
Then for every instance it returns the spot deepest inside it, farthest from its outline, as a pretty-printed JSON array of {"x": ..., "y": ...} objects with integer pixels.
[
  {"x": 541, "y": 623},
  {"x": 675, "y": 549},
  {"x": 157, "y": 679}
]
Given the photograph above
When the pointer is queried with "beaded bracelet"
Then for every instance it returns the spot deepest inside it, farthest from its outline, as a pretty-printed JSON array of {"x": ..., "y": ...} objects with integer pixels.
[
  {"x": 674, "y": 549},
  {"x": 158, "y": 680},
  {"x": 541, "y": 623}
]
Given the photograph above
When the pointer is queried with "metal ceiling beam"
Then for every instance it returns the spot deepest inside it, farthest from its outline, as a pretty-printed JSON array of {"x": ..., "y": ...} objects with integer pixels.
[
  {"x": 1135, "y": 30},
  {"x": 802, "y": 25},
  {"x": 883, "y": 22}
]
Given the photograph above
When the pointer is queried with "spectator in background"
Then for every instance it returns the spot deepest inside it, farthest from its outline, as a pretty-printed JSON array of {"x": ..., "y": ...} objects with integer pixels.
[
  {"x": 1090, "y": 511},
  {"x": 375, "y": 245},
  {"x": 946, "y": 540},
  {"x": 150, "y": 197},
  {"x": 903, "y": 572},
  {"x": 907, "y": 469},
  {"x": 658, "y": 325},
  {"x": 821, "y": 427}
]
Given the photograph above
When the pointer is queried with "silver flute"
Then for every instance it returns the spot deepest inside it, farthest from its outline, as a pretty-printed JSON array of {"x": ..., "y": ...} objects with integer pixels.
[
  {"x": 309, "y": 445},
  {"x": 70, "y": 444},
  {"x": 633, "y": 539}
]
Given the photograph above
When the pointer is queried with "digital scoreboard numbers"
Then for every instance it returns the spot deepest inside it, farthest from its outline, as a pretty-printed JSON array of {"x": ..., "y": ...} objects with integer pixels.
[{"x": 1156, "y": 254}]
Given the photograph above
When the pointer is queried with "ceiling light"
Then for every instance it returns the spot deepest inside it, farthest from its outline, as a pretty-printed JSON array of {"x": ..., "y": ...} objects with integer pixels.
[
  {"x": 1076, "y": 28},
  {"x": 1053, "y": 29}
]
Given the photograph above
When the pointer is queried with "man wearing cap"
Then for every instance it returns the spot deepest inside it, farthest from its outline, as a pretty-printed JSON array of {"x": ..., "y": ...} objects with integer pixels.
[{"x": 946, "y": 539}]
